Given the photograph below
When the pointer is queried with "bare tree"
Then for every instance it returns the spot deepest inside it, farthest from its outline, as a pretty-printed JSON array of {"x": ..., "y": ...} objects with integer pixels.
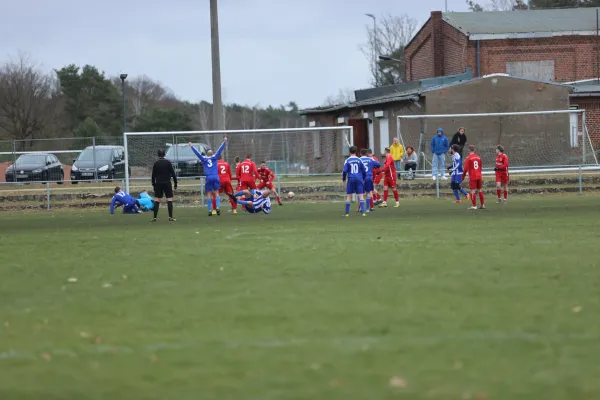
[
  {"x": 343, "y": 96},
  {"x": 144, "y": 93},
  {"x": 204, "y": 115},
  {"x": 251, "y": 117},
  {"x": 392, "y": 35},
  {"x": 504, "y": 5},
  {"x": 28, "y": 100}
]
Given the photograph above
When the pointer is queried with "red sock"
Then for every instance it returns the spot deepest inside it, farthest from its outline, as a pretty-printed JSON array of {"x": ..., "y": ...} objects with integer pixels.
[
  {"x": 473, "y": 199},
  {"x": 396, "y": 197},
  {"x": 481, "y": 198},
  {"x": 278, "y": 199},
  {"x": 372, "y": 203},
  {"x": 385, "y": 195},
  {"x": 505, "y": 194},
  {"x": 499, "y": 192},
  {"x": 377, "y": 196},
  {"x": 214, "y": 201},
  {"x": 233, "y": 204}
]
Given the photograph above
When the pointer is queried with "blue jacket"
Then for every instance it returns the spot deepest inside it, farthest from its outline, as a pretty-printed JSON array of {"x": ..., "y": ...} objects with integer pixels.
[
  {"x": 146, "y": 201},
  {"x": 439, "y": 143}
]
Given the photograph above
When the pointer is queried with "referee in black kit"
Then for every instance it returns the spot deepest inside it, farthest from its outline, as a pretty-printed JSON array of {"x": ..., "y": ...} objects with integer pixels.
[{"x": 162, "y": 172}]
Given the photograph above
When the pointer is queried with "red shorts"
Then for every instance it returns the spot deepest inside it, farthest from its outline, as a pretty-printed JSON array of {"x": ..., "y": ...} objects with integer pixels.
[
  {"x": 245, "y": 185},
  {"x": 502, "y": 178},
  {"x": 226, "y": 187},
  {"x": 475, "y": 184},
  {"x": 390, "y": 181},
  {"x": 268, "y": 185},
  {"x": 377, "y": 179}
]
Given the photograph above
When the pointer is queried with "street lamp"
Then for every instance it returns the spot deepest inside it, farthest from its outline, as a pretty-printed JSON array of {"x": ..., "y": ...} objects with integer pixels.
[
  {"x": 123, "y": 77},
  {"x": 388, "y": 58},
  {"x": 375, "y": 49}
]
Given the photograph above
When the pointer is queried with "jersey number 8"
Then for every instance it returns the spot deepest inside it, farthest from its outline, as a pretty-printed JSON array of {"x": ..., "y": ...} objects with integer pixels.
[{"x": 475, "y": 165}]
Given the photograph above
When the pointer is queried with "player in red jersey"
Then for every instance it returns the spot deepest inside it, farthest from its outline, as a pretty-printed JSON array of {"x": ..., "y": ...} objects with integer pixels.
[
  {"x": 472, "y": 168},
  {"x": 225, "y": 178},
  {"x": 266, "y": 180},
  {"x": 247, "y": 173},
  {"x": 502, "y": 177},
  {"x": 237, "y": 162},
  {"x": 389, "y": 180},
  {"x": 376, "y": 179}
]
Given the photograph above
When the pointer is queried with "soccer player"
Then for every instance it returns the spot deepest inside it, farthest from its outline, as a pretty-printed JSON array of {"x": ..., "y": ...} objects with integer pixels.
[
  {"x": 213, "y": 184},
  {"x": 473, "y": 169},
  {"x": 502, "y": 177},
  {"x": 389, "y": 180},
  {"x": 254, "y": 201},
  {"x": 376, "y": 179},
  {"x": 247, "y": 173},
  {"x": 355, "y": 172},
  {"x": 456, "y": 171},
  {"x": 129, "y": 203},
  {"x": 266, "y": 180},
  {"x": 225, "y": 180},
  {"x": 146, "y": 202},
  {"x": 237, "y": 162},
  {"x": 371, "y": 165},
  {"x": 162, "y": 172}
]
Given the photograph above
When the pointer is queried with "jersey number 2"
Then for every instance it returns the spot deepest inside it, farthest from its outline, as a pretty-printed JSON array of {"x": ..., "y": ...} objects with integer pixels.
[{"x": 223, "y": 170}]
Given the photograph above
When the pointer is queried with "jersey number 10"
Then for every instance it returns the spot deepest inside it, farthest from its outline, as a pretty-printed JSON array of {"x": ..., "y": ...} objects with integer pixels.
[{"x": 354, "y": 168}]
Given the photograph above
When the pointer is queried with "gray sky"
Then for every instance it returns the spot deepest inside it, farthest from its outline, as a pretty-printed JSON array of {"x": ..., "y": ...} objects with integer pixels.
[{"x": 272, "y": 51}]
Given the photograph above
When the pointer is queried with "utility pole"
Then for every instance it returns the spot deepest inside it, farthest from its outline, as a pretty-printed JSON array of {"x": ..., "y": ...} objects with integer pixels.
[{"x": 218, "y": 122}]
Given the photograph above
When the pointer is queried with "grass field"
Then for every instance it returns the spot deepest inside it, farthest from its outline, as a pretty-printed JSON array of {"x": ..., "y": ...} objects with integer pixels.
[{"x": 428, "y": 301}]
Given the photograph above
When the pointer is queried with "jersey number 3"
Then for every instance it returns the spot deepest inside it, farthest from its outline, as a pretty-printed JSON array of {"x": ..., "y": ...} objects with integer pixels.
[{"x": 209, "y": 163}]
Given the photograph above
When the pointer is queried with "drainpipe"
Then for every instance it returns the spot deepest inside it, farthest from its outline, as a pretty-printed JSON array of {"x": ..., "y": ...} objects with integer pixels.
[{"x": 478, "y": 59}]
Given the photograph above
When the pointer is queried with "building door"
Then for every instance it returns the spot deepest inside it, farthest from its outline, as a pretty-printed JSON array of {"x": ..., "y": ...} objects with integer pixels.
[
  {"x": 361, "y": 133},
  {"x": 384, "y": 134}
]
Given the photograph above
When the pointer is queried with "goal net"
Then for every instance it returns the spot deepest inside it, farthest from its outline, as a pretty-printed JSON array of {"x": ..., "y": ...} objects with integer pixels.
[
  {"x": 295, "y": 153},
  {"x": 556, "y": 138}
]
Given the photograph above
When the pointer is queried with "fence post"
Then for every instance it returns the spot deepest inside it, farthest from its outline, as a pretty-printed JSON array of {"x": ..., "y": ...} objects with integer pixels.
[
  {"x": 278, "y": 180},
  {"x": 437, "y": 185},
  {"x": 48, "y": 194},
  {"x": 580, "y": 182},
  {"x": 201, "y": 192},
  {"x": 94, "y": 156},
  {"x": 14, "y": 160}
]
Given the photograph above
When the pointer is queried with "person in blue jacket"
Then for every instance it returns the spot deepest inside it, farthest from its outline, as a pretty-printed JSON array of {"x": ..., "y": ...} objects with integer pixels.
[
  {"x": 439, "y": 147},
  {"x": 129, "y": 203},
  {"x": 146, "y": 202}
]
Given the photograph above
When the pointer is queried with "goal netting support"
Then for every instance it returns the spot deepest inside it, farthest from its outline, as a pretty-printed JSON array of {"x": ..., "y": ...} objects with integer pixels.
[
  {"x": 532, "y": 139},
  {"x": 288, "y": 151}
]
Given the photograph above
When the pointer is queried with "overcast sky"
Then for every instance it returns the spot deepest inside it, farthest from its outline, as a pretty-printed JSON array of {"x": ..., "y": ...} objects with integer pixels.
[{"x": 272, "y": 51}]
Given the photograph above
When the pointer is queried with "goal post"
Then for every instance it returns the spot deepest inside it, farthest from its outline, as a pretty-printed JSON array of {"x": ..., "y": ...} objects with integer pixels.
[
  {"x": 557, "y": 138},
  {"x": 289, "y": 151}
]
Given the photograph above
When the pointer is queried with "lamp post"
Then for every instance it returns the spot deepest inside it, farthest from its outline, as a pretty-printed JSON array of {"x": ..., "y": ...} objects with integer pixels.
[
  {"x": 375, "y": 48},
  {"x": 216, "y": 67},
  {"x": 388, "y": 58},
  {"x": 123, "y": 77}
]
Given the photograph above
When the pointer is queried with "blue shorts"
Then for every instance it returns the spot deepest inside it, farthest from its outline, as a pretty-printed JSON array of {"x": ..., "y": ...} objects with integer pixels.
[
  {"x": 355, "y": 186},
  {"x": 456, "y": 179},
  {"x": 369, "y": 187},
  {"x": 213, "y": 184}
]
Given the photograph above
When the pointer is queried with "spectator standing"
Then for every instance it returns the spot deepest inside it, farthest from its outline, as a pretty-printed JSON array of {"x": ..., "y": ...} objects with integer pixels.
[
  {"x": 397, "y": 152},
  {"x": 410, "y": 160},
  {"x": 439, "y": 147},
  {"x": 459, "y": 138}
]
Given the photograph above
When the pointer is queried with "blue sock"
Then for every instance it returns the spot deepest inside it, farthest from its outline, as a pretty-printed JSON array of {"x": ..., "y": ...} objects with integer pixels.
[
  {"x": 362, "y": 206},
  {"x": 463, "y": 191},
  {"x": 456, "y": 194},
  {"x": 240, "y": 193},
  {"x": 347, "y": 208},
  {"x": 209, "y": 204},
  {"x": 242, "y": 202},
  {"x": 218, "y": 202}
]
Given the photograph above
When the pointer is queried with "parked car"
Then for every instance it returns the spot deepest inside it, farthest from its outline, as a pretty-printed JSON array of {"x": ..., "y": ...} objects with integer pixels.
[
  {"x": 184, "y": 161},
  {"x": 108, "y": 162},
  {"x": 36, "y": 167}
]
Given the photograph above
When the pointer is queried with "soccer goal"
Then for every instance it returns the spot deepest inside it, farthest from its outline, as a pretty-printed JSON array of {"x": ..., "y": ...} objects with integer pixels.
[
  {"x": 532, "y": 139},
  {"x": 288, "y": 151}
]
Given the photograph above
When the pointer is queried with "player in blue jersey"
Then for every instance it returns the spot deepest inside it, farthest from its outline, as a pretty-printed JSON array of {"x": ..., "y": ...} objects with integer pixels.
[
  {"x": 354, "y": 173},
  {"x": 129, "y": 203},
  {"x": 370, "y": 164},
  {"x": 456, "y": 171},
  {"x": 213, "y": 183},
  {"x": 253, "y": 200}
]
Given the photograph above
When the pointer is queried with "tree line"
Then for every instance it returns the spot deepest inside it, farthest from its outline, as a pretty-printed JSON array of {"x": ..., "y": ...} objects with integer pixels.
[
  {"x": 82, "y": 101},
  {"x": 515, "y": 5}
]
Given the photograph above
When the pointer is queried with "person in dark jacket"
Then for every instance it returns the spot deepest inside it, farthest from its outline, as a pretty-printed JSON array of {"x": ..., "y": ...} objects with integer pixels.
[{"x": 459, "y": 138}]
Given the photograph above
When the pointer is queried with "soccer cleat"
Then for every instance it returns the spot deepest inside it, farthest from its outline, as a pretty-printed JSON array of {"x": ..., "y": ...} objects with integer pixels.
[
  {"x": 505, "y": 201},
  {"x": 397, "y": 205},
  {"x": 280, "y": 203},
  {"x": 472, "y": 208},
  {"x": 153, "y": 220},
  {"x": 234, "y": 212},
  {"x": 346, "y": 215},
  {"x": 218, "y": 211},
  {"x": 214, "y": 212},
  {"x": 364, "y": 214},
  {"x": 383, "y": 204},
  {"x": 499, "y": 201},
  {"x": 482, "y": 207},
  {"x": 172, "y": 219},
  {"x": 209, "y": 214},
  {"x": 139, "y": 212},
  {"x": 457, "y": 201},
  {"x": 377, "y": 202},
  {"x": 373, "y": 209}
]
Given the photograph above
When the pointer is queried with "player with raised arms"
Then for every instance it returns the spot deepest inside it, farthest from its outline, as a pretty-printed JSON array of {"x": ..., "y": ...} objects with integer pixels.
[
  {"x": 456, "y": 171},
  {"x": 129, "y": 203},
  {"x": 371, "y": 165},
  {"x": 355, "y": 173},
  {"x": 502, "y": 177},
  {"x": 253, "y": 200},
  {"x": 213, "y": 183},
  {"x": 225, "y": 179},
  {"x": 389, "y": 180},
  {"x": 473, "y": 168},
  {"x": 266, "y": 180}
]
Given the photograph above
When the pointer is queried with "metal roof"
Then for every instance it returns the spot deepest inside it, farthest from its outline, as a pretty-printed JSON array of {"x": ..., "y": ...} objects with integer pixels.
[{"x": 524, "y": 23}]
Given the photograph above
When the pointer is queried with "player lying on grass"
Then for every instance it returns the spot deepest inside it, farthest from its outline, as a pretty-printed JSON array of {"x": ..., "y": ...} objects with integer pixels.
[
  {"x": 473, "y": 168},
  {"x": 355, "y": 173},
  {"x": 253, "y": 200},
  {"x": 456, "y": 171},
  {"x": 145, "y": 201},
  {"x": 129, "y": 203},
  {"x": 371, "y": 165},
  {"x": 266, "y": 180},
  {"x": 502, "y": 177},
  {"x": 213, "y": 184}
]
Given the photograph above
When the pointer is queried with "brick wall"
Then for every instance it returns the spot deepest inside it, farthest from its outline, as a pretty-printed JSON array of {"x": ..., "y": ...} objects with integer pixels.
[{"x": 591, "y": 105}]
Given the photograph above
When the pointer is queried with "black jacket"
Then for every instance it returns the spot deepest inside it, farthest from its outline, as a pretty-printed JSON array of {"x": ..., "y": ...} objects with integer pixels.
[{"x": 459, "y": 139}]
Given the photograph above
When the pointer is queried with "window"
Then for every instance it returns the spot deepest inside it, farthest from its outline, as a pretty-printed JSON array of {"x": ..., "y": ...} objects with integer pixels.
[{"x": 538, "y": 70}]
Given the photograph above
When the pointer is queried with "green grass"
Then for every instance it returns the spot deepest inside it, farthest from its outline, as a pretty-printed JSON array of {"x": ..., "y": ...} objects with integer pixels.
[{"x": 304, "y": 304}]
